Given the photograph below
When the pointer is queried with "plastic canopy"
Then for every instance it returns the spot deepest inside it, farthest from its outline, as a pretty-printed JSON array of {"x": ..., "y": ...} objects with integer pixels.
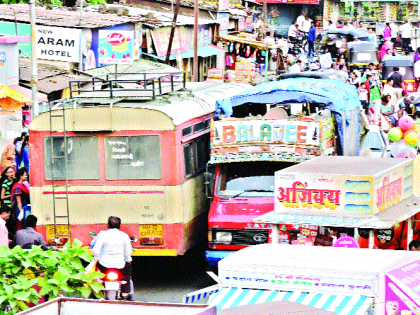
[
  {"x": 334, "y": 95},
  {"x": 360, "y": 34}
]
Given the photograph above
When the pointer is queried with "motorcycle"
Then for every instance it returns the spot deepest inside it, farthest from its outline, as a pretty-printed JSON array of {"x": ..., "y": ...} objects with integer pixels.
[{"x": 113, "y": 277}]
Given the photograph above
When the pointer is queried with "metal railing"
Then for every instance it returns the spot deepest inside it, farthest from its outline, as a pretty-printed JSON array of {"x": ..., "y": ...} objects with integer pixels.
[{"x": 146, "y": 85}]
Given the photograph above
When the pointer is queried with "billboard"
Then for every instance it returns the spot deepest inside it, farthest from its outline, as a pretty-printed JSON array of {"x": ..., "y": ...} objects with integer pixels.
[
  {"x": 116, "y": 47},
  {"x": 58, "y": 43},
  {"x": 9, "y": 64}
]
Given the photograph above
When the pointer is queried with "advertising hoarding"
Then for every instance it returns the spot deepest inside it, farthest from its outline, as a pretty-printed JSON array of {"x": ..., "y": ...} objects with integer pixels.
[{"x": 115, "y": 47}]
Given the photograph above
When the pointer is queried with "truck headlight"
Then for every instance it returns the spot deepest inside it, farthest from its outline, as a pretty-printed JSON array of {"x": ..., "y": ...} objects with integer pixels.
[{"x": 223, "y": 237}]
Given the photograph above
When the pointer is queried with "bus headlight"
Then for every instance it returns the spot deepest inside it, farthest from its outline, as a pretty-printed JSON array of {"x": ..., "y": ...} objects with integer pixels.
[{"x": 223, "y": 237}]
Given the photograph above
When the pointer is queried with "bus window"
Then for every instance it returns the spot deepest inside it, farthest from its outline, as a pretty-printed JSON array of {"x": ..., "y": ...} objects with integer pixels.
[
  {"x": 82, "y": 157},
  {"x": 196, "y": 155},
  {"x": 133, "y": 157},
  {"x": 189, "y": 159}
]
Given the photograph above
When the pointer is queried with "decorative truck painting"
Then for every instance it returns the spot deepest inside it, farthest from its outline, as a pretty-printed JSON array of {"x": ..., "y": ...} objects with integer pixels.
[
  {"x": 116, "y": 47},
  {"x": 270, "y": 140}
]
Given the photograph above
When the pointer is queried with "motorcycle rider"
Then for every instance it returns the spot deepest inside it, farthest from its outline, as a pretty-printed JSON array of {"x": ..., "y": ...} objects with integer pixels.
[{"x": 113, "y": 251}]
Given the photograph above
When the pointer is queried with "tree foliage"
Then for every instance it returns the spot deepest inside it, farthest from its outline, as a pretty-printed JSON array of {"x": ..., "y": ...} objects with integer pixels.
[{"x": 54, "y": 271}]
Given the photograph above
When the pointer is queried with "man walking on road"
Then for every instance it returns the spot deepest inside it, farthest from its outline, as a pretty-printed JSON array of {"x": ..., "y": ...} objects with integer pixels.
[
  {"x": 113, "y": 251},
  {"x": 405, "y": 30},
  {"x": 311, "y": 40}
]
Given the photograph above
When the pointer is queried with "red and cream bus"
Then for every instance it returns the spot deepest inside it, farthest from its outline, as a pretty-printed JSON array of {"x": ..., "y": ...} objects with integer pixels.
[{"x": 140, "y": 161}]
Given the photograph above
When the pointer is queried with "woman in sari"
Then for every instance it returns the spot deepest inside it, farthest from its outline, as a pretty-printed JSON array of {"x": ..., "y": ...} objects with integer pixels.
[{"x": 20, "y": 195}]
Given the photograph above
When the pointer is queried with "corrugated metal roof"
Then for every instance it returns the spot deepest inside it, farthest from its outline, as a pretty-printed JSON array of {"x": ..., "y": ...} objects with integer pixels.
[
  {"x": 203, "y": 51},
  {"x": 165, "y": 18},
  {"x": 64, "y": 16}
]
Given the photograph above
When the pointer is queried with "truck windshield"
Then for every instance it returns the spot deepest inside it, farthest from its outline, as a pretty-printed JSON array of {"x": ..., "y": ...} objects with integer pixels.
[{"x": 248, "y": 179}]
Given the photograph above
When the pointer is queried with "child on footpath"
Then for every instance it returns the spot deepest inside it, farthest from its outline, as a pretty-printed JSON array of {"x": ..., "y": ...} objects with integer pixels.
[{"x": 363, "y": 96}]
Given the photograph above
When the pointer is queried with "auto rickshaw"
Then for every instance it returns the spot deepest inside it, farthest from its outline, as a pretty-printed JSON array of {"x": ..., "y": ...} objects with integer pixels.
[
  {"x": 362, "y": 53},
  {"x": 335, "y": 37},
  {"x": 406, "y": 68}
]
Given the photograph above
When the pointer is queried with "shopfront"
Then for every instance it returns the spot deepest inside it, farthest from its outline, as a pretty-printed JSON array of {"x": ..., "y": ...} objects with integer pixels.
[{"x": 281, "y": 13}]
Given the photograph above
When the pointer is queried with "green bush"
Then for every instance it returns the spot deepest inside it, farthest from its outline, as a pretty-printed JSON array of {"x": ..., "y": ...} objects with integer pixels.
[{"x": 55, "y": 271}]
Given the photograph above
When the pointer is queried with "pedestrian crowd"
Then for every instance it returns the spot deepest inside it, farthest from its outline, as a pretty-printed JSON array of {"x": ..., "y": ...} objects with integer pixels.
[{"x": 14, "y": 192}]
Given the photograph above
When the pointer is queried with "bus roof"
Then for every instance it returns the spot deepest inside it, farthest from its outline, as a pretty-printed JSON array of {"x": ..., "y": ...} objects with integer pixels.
[{"x": 163, "y": 113}]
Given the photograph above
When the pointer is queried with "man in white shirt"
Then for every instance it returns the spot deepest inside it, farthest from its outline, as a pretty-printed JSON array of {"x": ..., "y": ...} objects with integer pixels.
[
  {"x": 394, "y": 32},
  {"x": 296, "y": 68},
  {"x": 293, "y": 31},
  {"x": 325, "y": 59},
  {"x": 405, "y": 30},
  {"x": 306, "y": 24},
  {"x": 300, "y": 20},
  {"x": 113, "y": 251}
]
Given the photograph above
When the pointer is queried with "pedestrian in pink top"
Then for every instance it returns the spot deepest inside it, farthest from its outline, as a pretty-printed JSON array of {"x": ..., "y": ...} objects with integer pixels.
[
  {"x": 387, "y": 45},
  {"x": 4, "y": 233},
  {"x": 387, "y": 32}
]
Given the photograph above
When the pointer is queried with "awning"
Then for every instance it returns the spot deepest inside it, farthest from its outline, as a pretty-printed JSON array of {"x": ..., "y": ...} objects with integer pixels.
[
  {"x": 28, "y": 93},
  {"x": 203, "y": 51},
  {"x": 383, "y": 220},
  {"x": 6, "y": 91},
  {"x": 340, "y": 304}
]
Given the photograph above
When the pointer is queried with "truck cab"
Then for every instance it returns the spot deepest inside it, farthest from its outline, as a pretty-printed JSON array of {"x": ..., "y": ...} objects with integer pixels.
[{"x": 259, "y": 132}]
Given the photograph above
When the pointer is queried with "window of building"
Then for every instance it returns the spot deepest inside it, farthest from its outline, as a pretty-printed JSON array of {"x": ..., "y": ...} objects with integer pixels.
[
  {"x": 133, "y": 157},
  {"x": 196, "y": 155},
  {"x": 82, "y": 158}
]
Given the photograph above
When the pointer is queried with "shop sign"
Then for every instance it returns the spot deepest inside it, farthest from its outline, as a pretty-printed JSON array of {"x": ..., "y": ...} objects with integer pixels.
[
  {"x": 244, "y": 131},
  {"x": 58, "y": 43},
  {"x": 347, "y": 242},
  {"x": 291, "y": 1},
  {"x": 223, "y": 5},
  {"x": 244, "y": 71},
  {"x": 290, "y": 282},
  {"x": 305, "y": 241},
  {"x": 115, "y": 47},
  {"x": 215, "y": 75},
  {"x": 223, "y": 19},
  {"x": 249, "y": 24},
  {"x": 241, "y": 24},
  {"x": 334, "y": 194}
]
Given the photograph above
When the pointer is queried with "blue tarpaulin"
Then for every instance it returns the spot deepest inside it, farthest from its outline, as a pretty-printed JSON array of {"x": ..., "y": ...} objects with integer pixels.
[{"x": 334, "y": 95}]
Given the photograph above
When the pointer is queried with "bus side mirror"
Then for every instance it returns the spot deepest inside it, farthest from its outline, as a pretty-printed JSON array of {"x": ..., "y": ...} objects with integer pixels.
[{"x": 208, "y": 183}]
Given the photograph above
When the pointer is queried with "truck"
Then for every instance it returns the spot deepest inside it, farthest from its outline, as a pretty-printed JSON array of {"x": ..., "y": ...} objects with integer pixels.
[{"x": 265, "y": 129}]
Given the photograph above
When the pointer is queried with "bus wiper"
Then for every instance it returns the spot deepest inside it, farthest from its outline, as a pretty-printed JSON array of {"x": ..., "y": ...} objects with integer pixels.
[{"x": 251, "y": 190}]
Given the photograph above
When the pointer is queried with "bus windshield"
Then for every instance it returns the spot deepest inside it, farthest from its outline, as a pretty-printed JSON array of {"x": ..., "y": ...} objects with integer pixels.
[{"x": 248, "y": 179}]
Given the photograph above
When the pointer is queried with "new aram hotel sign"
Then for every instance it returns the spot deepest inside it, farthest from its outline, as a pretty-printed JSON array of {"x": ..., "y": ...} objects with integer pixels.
[{"x": 57, "y": 43}]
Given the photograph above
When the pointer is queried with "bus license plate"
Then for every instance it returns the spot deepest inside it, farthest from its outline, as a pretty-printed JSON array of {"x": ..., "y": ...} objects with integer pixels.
[
  {"x": 62, "y": 229},
  {"x": 151, "y": 234}
]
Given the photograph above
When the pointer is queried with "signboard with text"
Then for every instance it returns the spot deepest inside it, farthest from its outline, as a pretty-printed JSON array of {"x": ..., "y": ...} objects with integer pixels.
[
  {"x": 58, "y": 43},
  {"x": 223, "y": 19},
  {"x": 243, "y": 72},
  {"x": 115, "y": 47},
  {"x": 338, "y": 194},
  {"x": 236, "y": 140},
  {"x": 290, "y": 282}
]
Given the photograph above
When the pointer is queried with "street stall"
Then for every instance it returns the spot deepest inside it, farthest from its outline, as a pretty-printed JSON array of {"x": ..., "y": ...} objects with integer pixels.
[
  {"x": 246, "y": 48},
  {"x": 71, "y": 306},
  {"x": 354, "y": 192},
  {"x": 342, "y": 280}
]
